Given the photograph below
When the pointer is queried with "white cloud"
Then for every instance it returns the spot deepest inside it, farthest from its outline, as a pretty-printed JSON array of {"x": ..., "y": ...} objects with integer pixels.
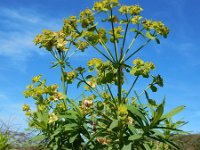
[
  {"x": 21, "y": 14},
  {"x": 18, "y": 30}
]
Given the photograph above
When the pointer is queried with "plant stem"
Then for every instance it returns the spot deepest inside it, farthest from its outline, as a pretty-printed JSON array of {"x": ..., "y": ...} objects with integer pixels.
[
  {"x": 112, "y": 98},
  {"x": 124, "y": 40},
  {"x": 63, "y": 85},
  {"x": 95, "y": 47},
  {"x": 105, "y": 47},
  {"x": 115, "y": 43},
  {"x": 143, "y": 45},
  {"x": 132, "y": 86},
  {"x": 143, "y": 92}
]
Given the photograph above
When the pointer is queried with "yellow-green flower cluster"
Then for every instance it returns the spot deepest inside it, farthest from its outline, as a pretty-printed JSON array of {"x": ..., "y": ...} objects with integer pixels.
[
  {"x": 52, "y": 118},
  {"x": 117, "y": 34},
  {"x": 70, "y": 76},
  {"x": 87, "y": 103},
  {"x": 73, "y": 21},
  {"x": 132, "y": 10},
  {"x": 60, "y": 107},
  {"x": 106, "y": 73},
  {"x": 91, "y": 37},
  {"x": 70, "y": 26},
  {"x": 46, "y": 39},
  {"x": 49, "y": 39},
  {"x": 148, "y": 24},
  {"x": 141, "y": 68},
  {"x": 86, "y": 18},
  {"x": 157, "y": 26},
  {"x": 41, "y": 107},
  {"x": 55, "y": 96},
  {"x": 94, "y": 63},
  {"x": 36, "y": 78},
  {"x": 105, "y": 96},
  {"x": 102, "y": 34},
  {"x": 61, "y": 41},
  {"x": 26, "y": 109},
  {"x": 41, "y": 93},
  {"x": 81, "y": 45},
  {"x": 160, "y": 28},
  {"x": 136, "y": 19},
  {"x": 90, "y": 84},
  {"x": 122, "y": 111},
  {"x": 105, "y": 5}
]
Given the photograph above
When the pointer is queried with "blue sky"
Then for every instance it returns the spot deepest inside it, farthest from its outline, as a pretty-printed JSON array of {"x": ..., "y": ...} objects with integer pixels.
[{"x": 177, "y": 58}]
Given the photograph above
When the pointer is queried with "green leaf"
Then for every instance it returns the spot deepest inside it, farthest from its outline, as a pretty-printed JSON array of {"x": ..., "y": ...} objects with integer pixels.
[
  {"x": 114, "y": 124},
  {"x": 79, "y": 83},
  {"x": 73, "y": 138},
  {"x": 55, "y": 147},
  {"x": 147, "y": 147},
  {"x": 71, "y": 126},
  {"x": 78, "y": 110},
  {"x": 123, "y": 22},
  {"x": 89, "y": 76},
  {"x": 135, "y": 111},
  {"x": 158, "y": 114},
  {"x": 150, "y": 36},
  {"x": 132, "y": 128},
  {"x": 173, "y": 112},
  {"x": 150, "y": 101},
  {"x": 56, "y": 132},
  {"x": 100, "y": 105},
  {"x": 157, "y": 40},
  {"x": 127, "y": 147},
  {"x": 153, "y": 88},
  {"x": 135, "y": 137}
]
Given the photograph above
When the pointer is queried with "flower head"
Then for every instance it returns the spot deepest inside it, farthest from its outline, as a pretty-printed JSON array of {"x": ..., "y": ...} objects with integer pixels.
[
  {"x": 53, "y": 118},
  {"x": 26, "y": 107}
]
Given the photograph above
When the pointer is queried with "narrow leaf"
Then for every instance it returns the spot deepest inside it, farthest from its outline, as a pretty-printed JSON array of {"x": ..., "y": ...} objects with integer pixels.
[
  {"x": 173, "y": 112},
  {"x": 73, "y": 138},
  {"x": 114, "y": 124},
  {"x": 135, "y": 137},
  {"x": 158, "y": 114}
]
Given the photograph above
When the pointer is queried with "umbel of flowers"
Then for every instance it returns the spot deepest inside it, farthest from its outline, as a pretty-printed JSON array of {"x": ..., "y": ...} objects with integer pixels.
[{"x": 110, "y": 114}]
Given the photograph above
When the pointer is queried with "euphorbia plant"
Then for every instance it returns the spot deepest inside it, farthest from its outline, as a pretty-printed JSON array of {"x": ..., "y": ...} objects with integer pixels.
[{"x": 108, "y": 115}]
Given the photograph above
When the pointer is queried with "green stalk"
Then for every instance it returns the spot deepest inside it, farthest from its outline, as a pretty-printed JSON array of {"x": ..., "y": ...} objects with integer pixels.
[
  {"x": 115, "y": 44},
  {"x": 63, "y": 85},
  {"x": 95, "y": 47},
  {"x": 112, "y": 98},
  {"x": 124, "y": 39},
  {"x": 143, "y": 45},
  {"x": 62, "y": 76},
  {"x": 132, "y": 86},
  {"x": 106, "y": 48},
  {"x": 131, "y": 44},
  {"x": 143, "y": 92},
  {"x": 99, "y": 51},
  {"x": 119, "y": 85}
]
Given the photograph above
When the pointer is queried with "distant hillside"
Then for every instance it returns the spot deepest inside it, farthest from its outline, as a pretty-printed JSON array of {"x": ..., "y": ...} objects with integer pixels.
[{"x": 189, "y": 142}]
